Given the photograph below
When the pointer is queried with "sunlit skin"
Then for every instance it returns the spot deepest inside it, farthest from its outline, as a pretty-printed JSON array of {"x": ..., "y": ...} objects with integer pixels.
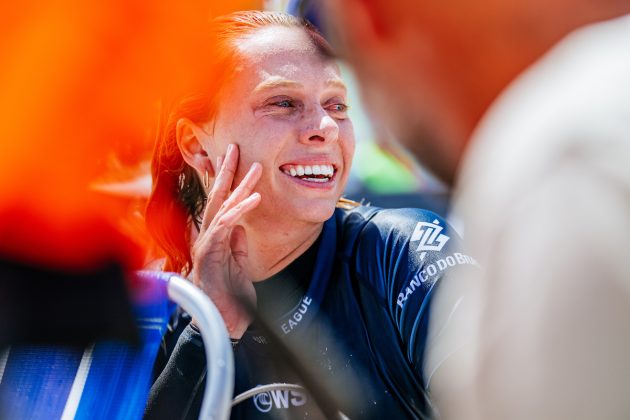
[{"x": 285, "y": 107}]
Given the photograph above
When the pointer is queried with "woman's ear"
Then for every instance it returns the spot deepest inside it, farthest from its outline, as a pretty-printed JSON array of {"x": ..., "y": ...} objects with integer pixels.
[{"x": 190, "y": 140}]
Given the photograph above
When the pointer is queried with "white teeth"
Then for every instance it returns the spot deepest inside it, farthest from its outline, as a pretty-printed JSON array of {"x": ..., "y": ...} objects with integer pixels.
[{"x": 302, "y": 170}]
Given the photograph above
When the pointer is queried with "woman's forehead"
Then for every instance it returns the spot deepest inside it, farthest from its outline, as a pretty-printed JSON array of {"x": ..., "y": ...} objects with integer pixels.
[
  {"x": 276, "y": 52},
  {"x": 275, "y": 39}
]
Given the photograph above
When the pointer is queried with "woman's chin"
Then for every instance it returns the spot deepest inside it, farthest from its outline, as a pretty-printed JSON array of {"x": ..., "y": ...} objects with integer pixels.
[
  {"x": 319, "y": 214},
  {"x": 299, "y": 211}
]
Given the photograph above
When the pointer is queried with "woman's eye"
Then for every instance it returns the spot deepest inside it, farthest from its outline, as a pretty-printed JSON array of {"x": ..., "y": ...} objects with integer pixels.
[
  {"x": 339, "y": 107},
  {"x": 339, "y": 110},
  {"x": 286, "y": 103}
]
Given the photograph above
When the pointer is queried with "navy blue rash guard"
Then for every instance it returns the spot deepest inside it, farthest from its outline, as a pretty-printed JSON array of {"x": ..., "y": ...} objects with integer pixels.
[{"x": 361, "y": 325}]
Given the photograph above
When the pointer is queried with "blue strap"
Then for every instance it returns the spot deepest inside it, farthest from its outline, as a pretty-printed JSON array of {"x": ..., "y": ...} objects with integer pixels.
[{"x": 38, "y": 380}]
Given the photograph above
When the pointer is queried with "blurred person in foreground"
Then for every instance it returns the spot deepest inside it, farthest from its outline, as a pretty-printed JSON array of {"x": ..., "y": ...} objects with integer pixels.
[
  {"x": 69, "y": 95},
  {"x": 249, "y": 169},
  {"x": 524, "y": 107},
  {"x": 77, "y": 83}
]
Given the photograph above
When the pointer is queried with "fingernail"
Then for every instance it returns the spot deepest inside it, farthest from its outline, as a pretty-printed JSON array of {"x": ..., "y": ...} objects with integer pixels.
[{"x": 230, "y": 148}]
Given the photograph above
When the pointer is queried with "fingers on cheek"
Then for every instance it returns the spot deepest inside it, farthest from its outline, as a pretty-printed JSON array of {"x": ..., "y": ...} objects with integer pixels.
[
  {"x": 254, "y": 200},
  {"x": 247, "y": 205}
]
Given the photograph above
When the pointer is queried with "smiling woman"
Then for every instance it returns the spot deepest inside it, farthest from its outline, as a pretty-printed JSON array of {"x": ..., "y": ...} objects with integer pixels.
[{"x": 248, "y": 172}]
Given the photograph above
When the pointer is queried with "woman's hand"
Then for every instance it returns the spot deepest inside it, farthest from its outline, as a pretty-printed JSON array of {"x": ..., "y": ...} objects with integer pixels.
[{"x": 220, "y": 251}]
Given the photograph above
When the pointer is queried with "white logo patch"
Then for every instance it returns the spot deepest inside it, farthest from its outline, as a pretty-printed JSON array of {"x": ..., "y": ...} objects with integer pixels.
[
  {"x": 279, "y": 399},
  {"x": 429, "y": 272},
  {"x": 429, "y": 236}
]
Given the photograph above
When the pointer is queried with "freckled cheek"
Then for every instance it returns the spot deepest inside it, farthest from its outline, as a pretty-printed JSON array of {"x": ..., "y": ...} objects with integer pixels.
[
  {"x": 261, "y": 146},
  {"x": 247, "y": 157},
  {"x": 347, "y": 143},
  {"x": 267, "y": 139}
]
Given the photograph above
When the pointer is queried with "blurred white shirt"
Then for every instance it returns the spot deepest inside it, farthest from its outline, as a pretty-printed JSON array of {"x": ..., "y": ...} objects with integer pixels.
[{"x": 544, "y": 194}]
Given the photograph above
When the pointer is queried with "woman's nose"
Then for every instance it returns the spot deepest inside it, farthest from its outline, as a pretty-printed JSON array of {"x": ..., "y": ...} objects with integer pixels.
[{"x": 319, "y": 127}]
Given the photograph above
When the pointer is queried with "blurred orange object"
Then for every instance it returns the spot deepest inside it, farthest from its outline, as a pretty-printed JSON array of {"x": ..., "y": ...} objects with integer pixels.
[{"x": 78, "y": 80}]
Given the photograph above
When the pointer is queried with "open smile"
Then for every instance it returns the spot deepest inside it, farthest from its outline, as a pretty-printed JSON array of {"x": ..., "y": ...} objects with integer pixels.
[{"x": 316, "y": 176}]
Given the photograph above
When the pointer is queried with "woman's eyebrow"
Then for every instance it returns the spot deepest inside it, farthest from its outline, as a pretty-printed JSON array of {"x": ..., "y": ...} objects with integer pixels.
[
  {"x": 279, "y": 82},
  {"x": 275, "y": 83},
  {"x": 336, "y": 83}
]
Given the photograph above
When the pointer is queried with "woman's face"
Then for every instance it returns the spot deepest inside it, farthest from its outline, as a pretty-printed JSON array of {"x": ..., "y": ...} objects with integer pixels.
[{"x": 286, "y": 108}]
